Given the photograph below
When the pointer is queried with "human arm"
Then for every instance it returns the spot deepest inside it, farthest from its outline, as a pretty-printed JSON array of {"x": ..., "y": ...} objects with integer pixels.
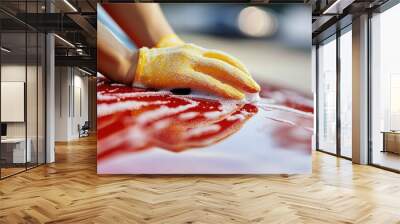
[
  {"x": 144, "y": 23},
  {"x": 113, "y": 59},
  {"x": 181, "y": 66}
]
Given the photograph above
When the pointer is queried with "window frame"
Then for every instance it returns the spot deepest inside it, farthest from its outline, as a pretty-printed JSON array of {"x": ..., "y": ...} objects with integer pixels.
[
  {"x": 378, "y": 10},
  {"x": 335, "y": 36}
]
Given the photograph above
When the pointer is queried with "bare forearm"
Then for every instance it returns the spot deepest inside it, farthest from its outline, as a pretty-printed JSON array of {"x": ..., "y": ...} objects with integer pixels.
[
  {"x": 114, "y": 60},
  {"x": 145, "y": 24}
]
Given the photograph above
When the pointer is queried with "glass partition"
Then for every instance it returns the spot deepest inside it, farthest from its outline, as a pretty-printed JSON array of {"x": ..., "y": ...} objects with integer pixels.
[
  {"x": 41, "y": 96},
  {"x": 22, "y": 78},
  {"x": 14, "y": 153},
  {"x": 32, "y": 87},
  {"x": 31, "y": 97}
]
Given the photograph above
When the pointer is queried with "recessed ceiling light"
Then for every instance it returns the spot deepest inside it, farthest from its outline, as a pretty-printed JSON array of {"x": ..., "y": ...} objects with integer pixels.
[
  {"x": 84, "y": 71},
  {"x": 337, "y": 7},
  {"x": 5, "y": 50},
  {"x": 70, "y": 5},
  {"x": 64, "y": 40}
]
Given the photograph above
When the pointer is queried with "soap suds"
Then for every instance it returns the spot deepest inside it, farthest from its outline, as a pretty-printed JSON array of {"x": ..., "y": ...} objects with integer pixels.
[
  {"x": 252, "y": 97},
  {"x": 106, "y": 109},
  {"x": 188, "y": 115},
  {"x": 164, "y": 111},
  {"x": 236, "y": 117},
  {"x": 213, "y": 114},
  {"x": 249, "y": 97},
  {"x": 137, "y": 94},
  {"x": 202, "y": 130}
]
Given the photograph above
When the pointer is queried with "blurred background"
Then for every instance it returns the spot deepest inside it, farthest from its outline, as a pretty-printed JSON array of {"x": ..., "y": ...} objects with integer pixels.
[{"x": 274, "y": 42}]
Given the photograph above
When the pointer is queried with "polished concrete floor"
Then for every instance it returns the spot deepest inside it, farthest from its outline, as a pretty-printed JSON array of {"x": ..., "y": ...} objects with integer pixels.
[{"x": 70, "y": 191}]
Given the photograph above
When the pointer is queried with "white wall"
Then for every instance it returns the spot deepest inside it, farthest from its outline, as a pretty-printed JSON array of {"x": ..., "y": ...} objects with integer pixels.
[
  {"x": 81, "y": 84},
  {"x": 70, "y": 83},
  {"x": 62, "y": 82},
  {"x": 33, "y": 126},
  {"x": 12, "y": 73}
]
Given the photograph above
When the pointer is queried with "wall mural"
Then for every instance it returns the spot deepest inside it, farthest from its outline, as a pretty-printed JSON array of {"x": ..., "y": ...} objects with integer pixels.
[{"x": 154, "y": 128}]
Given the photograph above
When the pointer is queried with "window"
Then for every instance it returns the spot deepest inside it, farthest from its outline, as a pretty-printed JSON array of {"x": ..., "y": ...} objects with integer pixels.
[
  {"x": 327, "y": 96},
  {"x": 346, "y": 93},
  {"x": 385, "y": 89}
]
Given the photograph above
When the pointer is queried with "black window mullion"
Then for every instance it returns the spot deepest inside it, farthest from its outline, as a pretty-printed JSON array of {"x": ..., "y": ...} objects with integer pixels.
[
  {"x": 37, "y": 90},
  {"x": 1, "y": 163},
  {"x": 44, "y": 69},
  {"x": 369, "y": 77},
  {"x": 316, "y": 111},
  {"x": 73, "y": 92},
  {"x": 338, "y": 80},
  {"x": 26, "y": 87}
]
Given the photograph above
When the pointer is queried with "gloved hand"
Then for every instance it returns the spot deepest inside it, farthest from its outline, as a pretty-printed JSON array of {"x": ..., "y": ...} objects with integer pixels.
[
  {"x": 170, "y": 40},
  {"x": 190, "y": 66}
]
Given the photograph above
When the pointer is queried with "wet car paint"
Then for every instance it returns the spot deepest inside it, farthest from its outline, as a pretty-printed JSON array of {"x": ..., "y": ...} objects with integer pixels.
[{"x": 138, "y": 129}]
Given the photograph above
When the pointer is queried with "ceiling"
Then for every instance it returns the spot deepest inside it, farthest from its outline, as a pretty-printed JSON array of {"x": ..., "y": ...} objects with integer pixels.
[
  {"x": 75, "y": 22},
  {"x": 72, "y": 20},
  {"x": 332, "y": 15}
]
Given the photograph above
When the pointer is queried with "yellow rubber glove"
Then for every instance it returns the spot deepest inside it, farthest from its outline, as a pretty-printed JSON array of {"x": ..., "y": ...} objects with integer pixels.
[
  {"x": 170, "y": 40},
  {"x": 190, "y": 66}
]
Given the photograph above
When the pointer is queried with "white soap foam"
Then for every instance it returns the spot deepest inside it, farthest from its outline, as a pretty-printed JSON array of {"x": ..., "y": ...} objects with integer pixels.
[
  {"x": 138, "y": 138},
  {"x": 225, "y": 108},
  {"x": 159, "y": 125},
  {"x": 140, "y": 94},
  {"x": 252, "y": 97},
  {"x": 213, "y": 114},
  {"x": 282, "y": 120},
  {"x": 113, "y": 90},
  {"x": 201, "y": 130},
  {"x": 236, "y": 117},
  {"x": 164, "y": 111},
  {"x": 285, "y": 108},
  {"x": 118, "y": 84},
  {"x": 249, "y": 97},
  {"x": 188, "y": 115},
  {"x": 202, "y": 95},
  {"x": 138, "y": 85},
  {"x": 101, "y": 96},
  {"x": 99, "y": 75},
  {"x": 99, "y": 83},
  {"x": 106, "y": 109}
]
